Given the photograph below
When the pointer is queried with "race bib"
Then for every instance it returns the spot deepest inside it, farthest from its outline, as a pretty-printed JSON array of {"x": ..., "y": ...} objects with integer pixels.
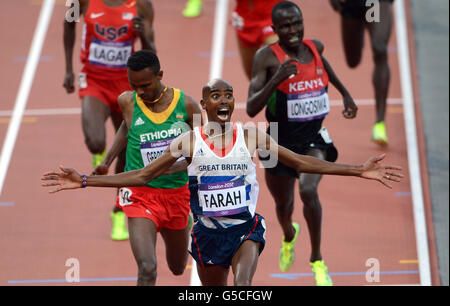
[
  {"x": 152, "y": 150},
  {"x": 223, "y": 198},
  {"x": 109, "y": 54},
  {"x": 308, "y": 106}
]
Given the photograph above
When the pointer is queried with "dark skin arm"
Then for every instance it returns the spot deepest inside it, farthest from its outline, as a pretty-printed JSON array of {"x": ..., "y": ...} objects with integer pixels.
[
  {"x": 350, "y": 108},
  {"x": 371, "y": 169},
  {"x": 143, "y": 24},
  {"x": 67, "y": 178},
  {"x": 262, "y": 85},
  {"x": 69, "y": 31}
]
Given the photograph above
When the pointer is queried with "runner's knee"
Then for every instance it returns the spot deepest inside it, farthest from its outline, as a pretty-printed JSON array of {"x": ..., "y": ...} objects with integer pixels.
[
  {"x": 308, "y": 194},
  {"x": 147, "y": 271},
  {"x": 379, "y": 50},
  {"x": 177, "y": 268},
  {"x": 95, "y": 144},
  {"x": 286, "y": 205}
]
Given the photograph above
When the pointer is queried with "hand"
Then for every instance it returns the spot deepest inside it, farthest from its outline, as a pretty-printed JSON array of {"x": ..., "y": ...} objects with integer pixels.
[
  {"x": 69, "y": 82},
  {"x": 372, "y": 170},
  {"x": 336, "y": 4},
  {"x": 286, "y": 70},
  {"x": 350, "y": 109},
  {"x": 138, "y": 25},
  {"x": 101, "y": 169},
  {"x": 63, "y": 179}
]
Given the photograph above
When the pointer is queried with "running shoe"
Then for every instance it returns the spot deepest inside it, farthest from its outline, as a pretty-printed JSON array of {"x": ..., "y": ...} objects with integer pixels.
[
  {"x": 193, "y": 8},
  {"x": 321, "y": 273},
  {"x": 98, "y": 158},
  {"x": 287, "y": 254},
  {"x": 379, "y": 134},
  {"x": 119, "y": 229}
]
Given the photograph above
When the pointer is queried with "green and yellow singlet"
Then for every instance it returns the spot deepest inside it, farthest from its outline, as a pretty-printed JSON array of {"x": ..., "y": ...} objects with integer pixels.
[{"x": 150, "y": 134}]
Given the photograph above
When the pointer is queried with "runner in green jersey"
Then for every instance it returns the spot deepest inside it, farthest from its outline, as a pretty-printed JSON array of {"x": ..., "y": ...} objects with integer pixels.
[{"x": 154, "y": 114}]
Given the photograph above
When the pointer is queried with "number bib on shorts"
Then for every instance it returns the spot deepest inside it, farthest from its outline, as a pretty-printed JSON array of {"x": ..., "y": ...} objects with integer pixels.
[
  {"x": 109, "y": 54},
  {"x": 308, "y": 106}
]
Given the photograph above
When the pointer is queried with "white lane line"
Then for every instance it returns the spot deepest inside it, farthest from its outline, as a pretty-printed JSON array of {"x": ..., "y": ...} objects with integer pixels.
[
  {"x": 45, "y": 112},
  {"x": 25, "y": 87},
  {"x": 215, "y": 71},
  {"x": 411, "y": 139}
]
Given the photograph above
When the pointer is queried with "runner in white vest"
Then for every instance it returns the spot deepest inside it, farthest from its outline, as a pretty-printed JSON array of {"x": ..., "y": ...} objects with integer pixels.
[{"x": 223, "y": 185}]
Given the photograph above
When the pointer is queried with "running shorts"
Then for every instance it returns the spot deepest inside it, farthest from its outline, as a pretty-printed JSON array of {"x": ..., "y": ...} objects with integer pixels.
[
  {"x": 167, "y": 208},
  {"x": 106, "y": 91},
  {"x": 321, "y": 141},
  {"x": 217, "y": 246},
  {"x": 252, "y": 33}
]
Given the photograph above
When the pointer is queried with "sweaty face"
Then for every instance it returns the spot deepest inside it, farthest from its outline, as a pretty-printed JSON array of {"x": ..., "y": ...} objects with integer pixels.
[
  {"x": 145, "y": 83},
  {"x": 288, "y": 25},
  {"x": 218, "y": 101}
]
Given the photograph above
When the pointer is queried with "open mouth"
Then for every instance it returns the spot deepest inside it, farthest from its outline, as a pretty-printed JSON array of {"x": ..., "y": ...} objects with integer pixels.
[
  {"x": 294, "y": 39},
  {"x": 223, "y": 114}
]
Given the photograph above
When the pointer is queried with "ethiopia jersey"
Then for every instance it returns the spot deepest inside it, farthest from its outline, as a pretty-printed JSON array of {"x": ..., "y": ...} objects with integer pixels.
[
  {"x": 300, "y": 103},
  {"x": 223, "y": 185},
  {"x": 150, "y": 134},
  {"x": 108, "y": 38}
]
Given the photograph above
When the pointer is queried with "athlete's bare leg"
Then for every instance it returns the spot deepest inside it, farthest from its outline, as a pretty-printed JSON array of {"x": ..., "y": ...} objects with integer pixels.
[
  {"x": 247, "y": 54},
  {"x": 213, "y": 275},
  {"x": 176, "y": 242},
  {"x": 380, "y": 32},
  {"x": 353, "y": 38},
  {"x": 143, "y": 242},
  {"x": 117, "y": 119},
  {"x": 312, "y": 208},
  {"x": 94, "y": 114},
  {"x": 282, "y": 190},
  {"x": 244, "y": 263}
]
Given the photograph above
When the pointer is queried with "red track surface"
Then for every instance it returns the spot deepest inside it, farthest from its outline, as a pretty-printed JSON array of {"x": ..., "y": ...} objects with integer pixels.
[{"x": 39, "y": 232}]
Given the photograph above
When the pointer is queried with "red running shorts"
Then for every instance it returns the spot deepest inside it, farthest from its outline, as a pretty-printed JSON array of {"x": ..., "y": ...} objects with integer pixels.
[{"x": 167, "y": 208}]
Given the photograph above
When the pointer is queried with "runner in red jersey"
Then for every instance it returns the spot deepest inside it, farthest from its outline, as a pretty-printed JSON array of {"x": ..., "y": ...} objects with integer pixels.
[
  {"x": 253, "y": 24},
  {"x": 110, "y": 30},
  {"x": 290, "y": 78}
]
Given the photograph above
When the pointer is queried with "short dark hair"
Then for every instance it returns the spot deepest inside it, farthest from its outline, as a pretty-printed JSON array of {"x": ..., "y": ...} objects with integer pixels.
[
  {"x": 282, "y": 6},
  {"x": 142, "y": 59}
]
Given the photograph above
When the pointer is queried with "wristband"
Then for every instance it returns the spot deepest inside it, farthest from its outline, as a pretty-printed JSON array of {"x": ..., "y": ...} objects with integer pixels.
[{"x": 83, "y": 181}]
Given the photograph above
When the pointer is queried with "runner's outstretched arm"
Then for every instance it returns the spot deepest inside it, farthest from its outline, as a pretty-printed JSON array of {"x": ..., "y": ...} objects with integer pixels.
[
  {"x": 67, "y": 178},
  {"x": 371, "y": 169}
]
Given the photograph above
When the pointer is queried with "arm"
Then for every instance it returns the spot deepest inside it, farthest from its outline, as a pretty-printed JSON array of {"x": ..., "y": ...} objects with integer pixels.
[
  {"x": 350, "y": 108},
  {"x": 194, "y": 111},
  {"x": 125, "y": 102},
  {"x": 67, "y": 178},
  {"x": 143, "y": 24},
  {"x": 261, "y": 87},
  {"x": 118, "y": 145},
  {"x": 69, "y": 29},
  {"x": 308, "y": 164}
]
